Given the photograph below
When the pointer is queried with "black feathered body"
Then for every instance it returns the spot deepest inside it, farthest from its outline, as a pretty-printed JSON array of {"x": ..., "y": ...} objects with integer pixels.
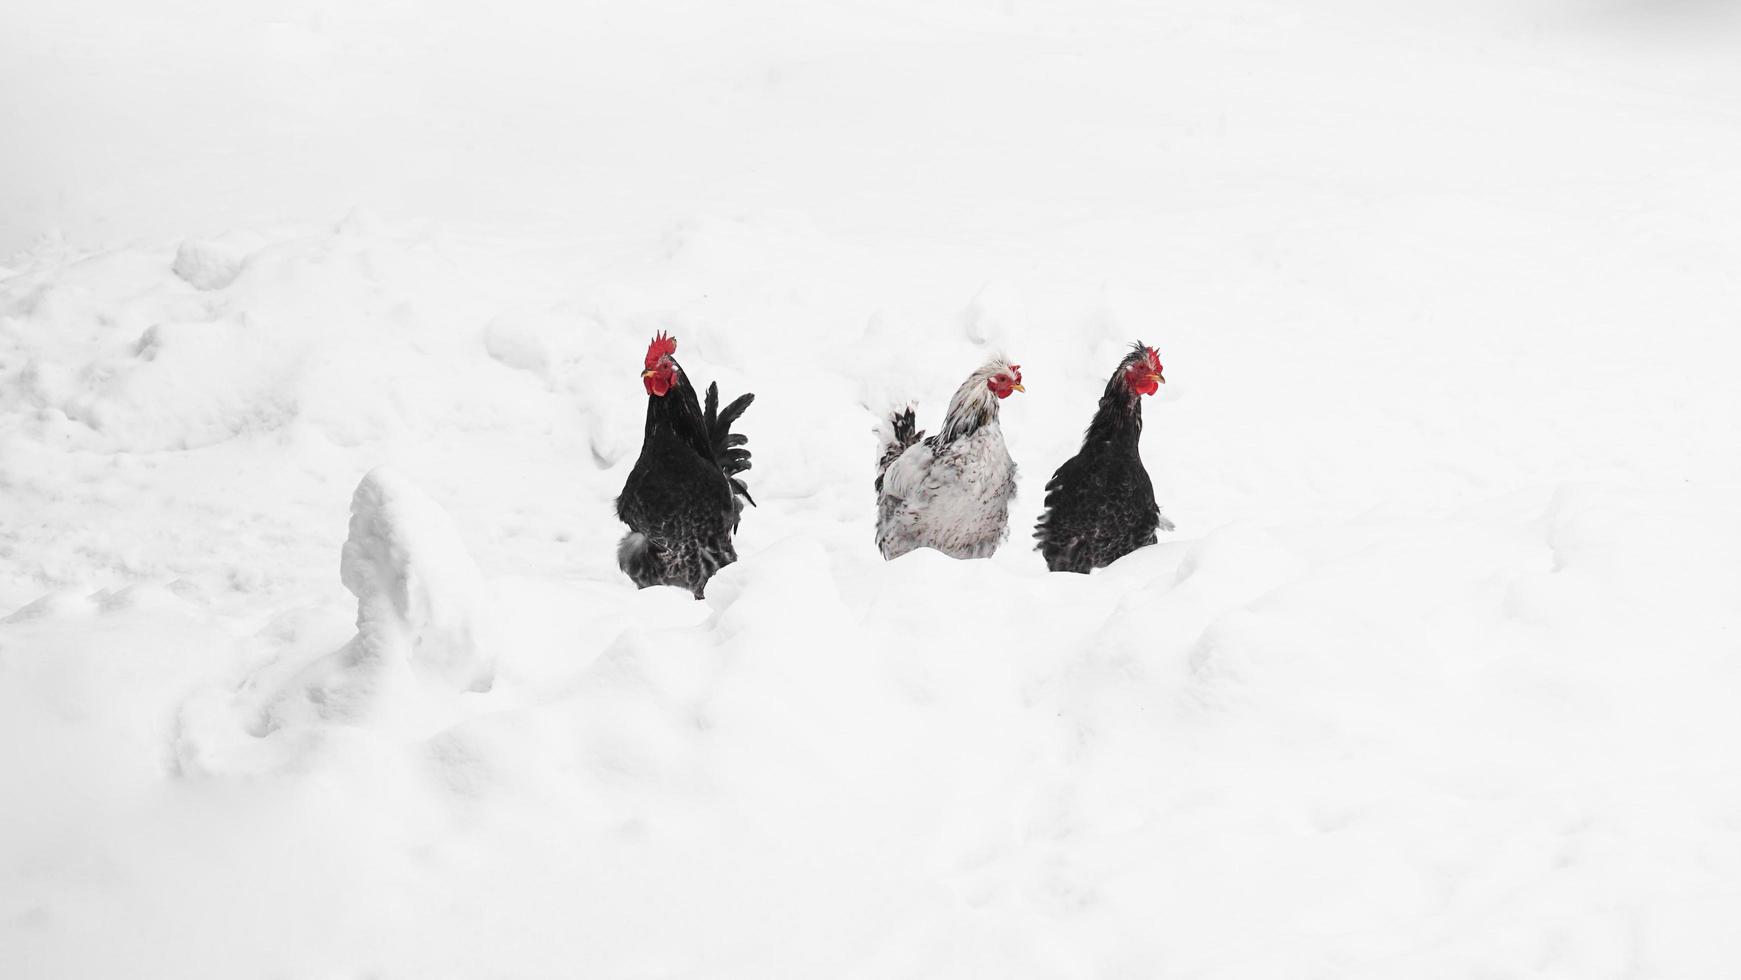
[
  {"x": 1100, "y": 505},
  {"x": 683, "y": 498}
]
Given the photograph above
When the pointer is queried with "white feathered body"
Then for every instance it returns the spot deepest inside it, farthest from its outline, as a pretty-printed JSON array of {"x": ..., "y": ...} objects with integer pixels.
[{"x": 950, "y": 492}]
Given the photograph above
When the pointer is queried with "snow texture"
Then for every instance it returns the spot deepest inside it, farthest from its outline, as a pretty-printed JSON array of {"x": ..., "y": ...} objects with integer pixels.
[
  {"x": 1435, "y": 679},
  {"x": 416, "y": 586}
]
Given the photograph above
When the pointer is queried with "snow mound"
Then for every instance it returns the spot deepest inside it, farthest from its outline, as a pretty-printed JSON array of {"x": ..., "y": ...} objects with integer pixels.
[
  {"x": 416, "y": 586},
  {"x": 212, "y": 264},
  {"x": 418, "y": 599},
  {"x": 996, "y": 314}
]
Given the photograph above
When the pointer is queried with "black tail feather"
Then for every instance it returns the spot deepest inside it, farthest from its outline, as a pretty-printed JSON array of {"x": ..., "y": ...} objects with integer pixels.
[
  {"x": 904, "y": 431},
  {"x": 905, "y": 423},
  {"x": 730, "y": 448}
]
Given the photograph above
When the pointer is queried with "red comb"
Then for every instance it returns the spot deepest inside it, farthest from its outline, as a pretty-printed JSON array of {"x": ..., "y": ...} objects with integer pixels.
[
  {"x": 1154, "y": 359},
  {"x": 663, "y": 345},
  {"x": 1016, "y": 370}
]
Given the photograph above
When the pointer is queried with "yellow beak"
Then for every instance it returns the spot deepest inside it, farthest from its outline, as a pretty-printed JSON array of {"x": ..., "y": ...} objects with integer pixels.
[
  {"x": 1158, "y": 378},
  {"x": 646, "y": 374},
  {"x": 1017, "y": 388}
]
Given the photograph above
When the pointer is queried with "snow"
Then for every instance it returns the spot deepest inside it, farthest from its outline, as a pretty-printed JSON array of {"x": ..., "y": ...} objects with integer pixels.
[
  {"x": 417, "y": 591},
  {"x": 320, "y": 338}
]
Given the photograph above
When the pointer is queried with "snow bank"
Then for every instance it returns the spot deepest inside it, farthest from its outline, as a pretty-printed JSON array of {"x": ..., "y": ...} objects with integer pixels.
[
  {"x": 416, "y": 587},
  {"x": 211, "y": 264},
  {"x": 418, "y": 602}
]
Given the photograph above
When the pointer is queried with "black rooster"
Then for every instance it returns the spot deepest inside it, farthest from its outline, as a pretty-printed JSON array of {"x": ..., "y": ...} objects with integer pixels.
[
  {"x": 683, "y": 498},
  {"x": 1100, "y": 505}
]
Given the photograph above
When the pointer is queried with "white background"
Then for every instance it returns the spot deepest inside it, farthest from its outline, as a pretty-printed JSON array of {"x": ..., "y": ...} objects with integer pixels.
[{"x": 1436, "y": 677}]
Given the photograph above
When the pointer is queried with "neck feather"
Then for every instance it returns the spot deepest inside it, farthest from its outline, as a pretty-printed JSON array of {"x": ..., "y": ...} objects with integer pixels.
[
  {"x": 973, "y": 406},
  {"x": 1118, "y": 421},
  {"x": 679, "y": 413}
]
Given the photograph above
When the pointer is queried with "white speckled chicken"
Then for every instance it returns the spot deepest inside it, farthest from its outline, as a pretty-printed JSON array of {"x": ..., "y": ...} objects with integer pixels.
[{"x": 950, "y": 492}]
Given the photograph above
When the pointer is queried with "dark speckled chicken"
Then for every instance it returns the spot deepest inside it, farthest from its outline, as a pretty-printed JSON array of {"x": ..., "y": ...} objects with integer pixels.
[
  {"x": 683, "y": 498},
  {"x": 1100, "y": 505}
]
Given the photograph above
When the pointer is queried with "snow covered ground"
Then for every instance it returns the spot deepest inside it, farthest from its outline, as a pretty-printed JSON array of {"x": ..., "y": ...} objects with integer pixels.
[{"x": 320, "y": 337}]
